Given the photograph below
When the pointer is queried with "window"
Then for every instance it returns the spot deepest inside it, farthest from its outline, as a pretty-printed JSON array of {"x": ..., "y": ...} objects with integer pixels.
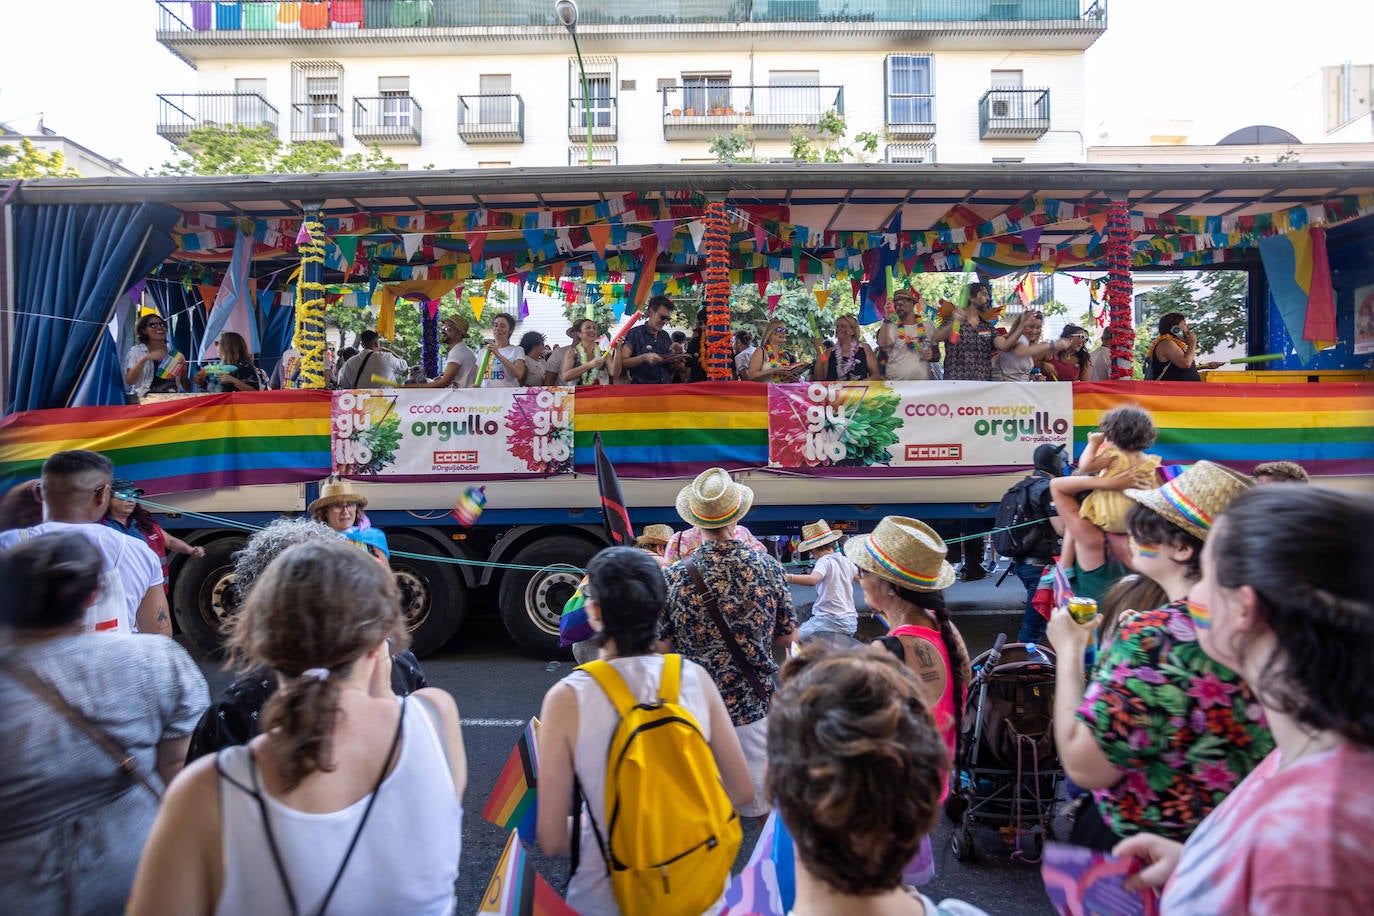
[
  {"x": 703, "y": 91},
  {"x": 395, "y": 93},
  {"x": 1007, "y": 79},
  {"x": 910, "y": 89},
  {"x": 316, "y": 87},
  {"x": 495, "y": 105},
  {"x": 599, "y": 94},
  {"x": 322, "y": 101},
  {"x": 601, "y": 155},
  {"x": 911, "y": 153},
  {"x": 603, "y": 85},
  {"x": 795, "y": 93},
  {"x": 249, "y": 98}
]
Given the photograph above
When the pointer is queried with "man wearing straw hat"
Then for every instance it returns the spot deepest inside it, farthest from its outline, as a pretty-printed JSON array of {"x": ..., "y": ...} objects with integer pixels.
[
  {"x": 727, "y": 607},
  {"x": 833, "y": 577},
  {"x": 654, "y": 539}
]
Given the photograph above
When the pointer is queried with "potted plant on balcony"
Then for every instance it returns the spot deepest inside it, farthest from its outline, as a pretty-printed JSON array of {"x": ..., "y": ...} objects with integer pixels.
[
  {"x": 691, "y": 112},
  {"x": 677, "y": 112}
]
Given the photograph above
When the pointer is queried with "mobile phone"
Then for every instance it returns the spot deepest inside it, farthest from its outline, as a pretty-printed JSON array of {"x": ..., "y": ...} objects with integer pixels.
[{"x": 1177, "y": 330}]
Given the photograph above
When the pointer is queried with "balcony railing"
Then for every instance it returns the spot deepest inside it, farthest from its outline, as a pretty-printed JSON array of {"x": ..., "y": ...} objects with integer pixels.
[
  {"x": 178, "y": 115},
  {"x": 1013, "y": 114},
  {"x": 910, "y": 153},
  {"x": 491, "y": 118},
  {"x": 601, "y": 155},
  {"x": 710, "y": 109},
  {"x": 605, "y": 119},
  {"x": 317, "y": 121},
  {"x": 386, "y": 119},
  {"x": 910, "y": 117},
  {"x": 311, "y": 17}
]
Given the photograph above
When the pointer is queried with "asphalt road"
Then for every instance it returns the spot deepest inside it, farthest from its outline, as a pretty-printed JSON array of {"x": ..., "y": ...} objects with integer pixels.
[{"x": 498, "y": 690}]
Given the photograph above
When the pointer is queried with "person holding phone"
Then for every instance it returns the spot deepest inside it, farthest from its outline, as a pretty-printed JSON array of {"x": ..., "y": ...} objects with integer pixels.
[{"x": 1172, "y": 356}]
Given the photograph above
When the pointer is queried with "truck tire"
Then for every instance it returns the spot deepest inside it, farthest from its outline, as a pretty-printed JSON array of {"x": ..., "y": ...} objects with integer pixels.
[
  {"x": 204, "y": 599},
  {"x": 532, "y": 600},
  {"x": 433, "y": 598}
]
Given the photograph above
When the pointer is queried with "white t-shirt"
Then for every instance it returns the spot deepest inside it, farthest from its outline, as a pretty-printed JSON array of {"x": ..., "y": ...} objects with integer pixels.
[
  {"x": 835, "y": 591},
  {"x": 145, "y": 375},
  {"x": 742, "y": 361},
  {"x": 466, "y": 360},
  {"x": 904, "y": 363},
  {"x": 139, "y": 568},
  {"x": 496, "y": 375},
  {"x": 358, "y": 371},
  {"x": 1015, "y": 368}
]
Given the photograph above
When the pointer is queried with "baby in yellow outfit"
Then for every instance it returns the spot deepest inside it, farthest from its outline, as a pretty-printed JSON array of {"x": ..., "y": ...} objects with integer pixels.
[{"x": 1117, "y": 450}]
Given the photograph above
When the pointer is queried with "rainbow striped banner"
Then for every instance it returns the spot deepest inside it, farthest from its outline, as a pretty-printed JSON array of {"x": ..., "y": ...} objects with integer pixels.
[
  {"x": 192, "y": 443},
  {"x": 673, "y": 430},
  {"x": 1328, "y": 428}
]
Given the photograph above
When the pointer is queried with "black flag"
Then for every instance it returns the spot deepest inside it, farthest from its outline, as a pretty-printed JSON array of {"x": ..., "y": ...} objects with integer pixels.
[{"x": 612, "y": 503}]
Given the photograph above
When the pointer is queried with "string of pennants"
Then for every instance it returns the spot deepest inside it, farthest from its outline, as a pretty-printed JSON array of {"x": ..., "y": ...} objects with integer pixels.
[{"x": 599, "y": 250}]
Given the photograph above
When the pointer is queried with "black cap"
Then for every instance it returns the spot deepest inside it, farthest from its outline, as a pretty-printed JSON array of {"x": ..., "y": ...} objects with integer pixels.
[
  {"x": 1051, "y": 459},
  {"x": 123, "y": 486}
]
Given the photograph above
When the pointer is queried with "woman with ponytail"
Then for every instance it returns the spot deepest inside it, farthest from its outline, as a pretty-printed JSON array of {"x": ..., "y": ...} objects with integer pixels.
[
  {"x": 75, "y": 809},
  {"x": 346, "y": 782}
]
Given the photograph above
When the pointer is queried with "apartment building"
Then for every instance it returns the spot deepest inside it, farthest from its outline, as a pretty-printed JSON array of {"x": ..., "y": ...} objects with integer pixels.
[{"x": 472, "y": 83}]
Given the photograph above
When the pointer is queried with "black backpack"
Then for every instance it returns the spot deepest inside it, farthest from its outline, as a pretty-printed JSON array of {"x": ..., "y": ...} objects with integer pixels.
[{"x": 1022, "y": 504}]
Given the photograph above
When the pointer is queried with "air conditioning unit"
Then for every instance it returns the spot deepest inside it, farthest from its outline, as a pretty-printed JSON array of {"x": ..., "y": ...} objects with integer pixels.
[{"x": 1001, "y": 108}]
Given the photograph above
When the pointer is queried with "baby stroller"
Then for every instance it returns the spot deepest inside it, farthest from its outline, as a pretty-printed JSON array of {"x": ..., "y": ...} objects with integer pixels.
[{"x": 1006, "y": 773}]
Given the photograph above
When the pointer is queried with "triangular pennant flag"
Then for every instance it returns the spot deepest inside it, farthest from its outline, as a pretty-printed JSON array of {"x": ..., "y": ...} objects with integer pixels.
[
  {"x": 411, "y": 242},
  {"x": 478, "y": 303},
  {"x": 601, "y": 235},
  {"x": 663, "y": 231},
  {"x": 822, "y": 295},
  {"x": 698, "y": 230},
  {"x": 1099, "y": 221},
  {"x": 773, "y": 303},
  {"x": 348, "y": 249},
  {"x": 1031, "y": 238},
  {"x": 476, "y": 242}
]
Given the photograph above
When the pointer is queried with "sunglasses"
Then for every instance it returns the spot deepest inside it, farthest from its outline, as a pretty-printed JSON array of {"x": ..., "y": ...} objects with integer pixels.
[{"x": 156, "y": 324}]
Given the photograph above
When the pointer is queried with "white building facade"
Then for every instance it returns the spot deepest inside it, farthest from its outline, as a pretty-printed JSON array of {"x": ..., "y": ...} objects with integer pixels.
[{"x": 463, "y": 84}]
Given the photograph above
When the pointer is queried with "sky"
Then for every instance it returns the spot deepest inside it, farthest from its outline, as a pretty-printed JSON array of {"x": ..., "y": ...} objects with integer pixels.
[{"x": 1221, "y": 64}]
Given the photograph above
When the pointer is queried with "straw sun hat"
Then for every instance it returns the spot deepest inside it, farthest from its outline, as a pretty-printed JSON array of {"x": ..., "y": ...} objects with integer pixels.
[
  {"x": 336, "y": 492},
  {"x": 713, "y": 500},
  {"x": 905, "y": 552},
  {"x": 817, "y": 535},
  {"x": 1194, "y": 499},
  {"x": 654, "y": 534}
]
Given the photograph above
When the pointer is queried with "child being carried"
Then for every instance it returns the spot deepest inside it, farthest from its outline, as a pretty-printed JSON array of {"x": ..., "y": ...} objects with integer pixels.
[{"x": 1117, "y": 449}]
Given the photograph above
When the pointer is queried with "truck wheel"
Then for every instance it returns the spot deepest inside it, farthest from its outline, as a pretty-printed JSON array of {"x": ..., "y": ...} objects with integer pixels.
[
  {"x": 433, "y": 598},
  {"x": 532, "y": 600},
  {"x": 204, "y": 599}
]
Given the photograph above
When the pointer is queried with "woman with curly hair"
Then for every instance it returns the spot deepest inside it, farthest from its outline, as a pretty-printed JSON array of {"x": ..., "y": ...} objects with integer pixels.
[
  {"x": 346, "y": 781},
  {"x": 856, "y": 768},
  {"x": 1285, "y": 600}
]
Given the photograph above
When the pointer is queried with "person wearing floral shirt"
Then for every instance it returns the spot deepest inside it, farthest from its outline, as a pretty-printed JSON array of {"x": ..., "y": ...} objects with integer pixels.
[
  {"x": 754, "y": 601},
  {"x": 1163, "y": 733}
]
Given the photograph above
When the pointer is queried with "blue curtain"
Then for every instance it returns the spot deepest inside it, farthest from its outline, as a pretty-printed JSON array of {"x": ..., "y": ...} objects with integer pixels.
[
  {"x": 276, "y": 327},
  {"x": 72, "y": 262}
]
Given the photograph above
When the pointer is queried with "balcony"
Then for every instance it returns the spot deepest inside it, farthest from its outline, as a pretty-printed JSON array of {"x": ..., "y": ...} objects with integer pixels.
[
  {"x": 700, "y": 112},
  {"x": 491, "y": 118},
  {"x": 201, "y": 29},
  {"x": 605, "y": 119},
  {"x": 390, "y": 119},
  {"x": 317, "y": 122},
  {"x": 178, "y": 115},
  {"x": 1013, "y": 114},
  {"x": 910, "y": 117}
]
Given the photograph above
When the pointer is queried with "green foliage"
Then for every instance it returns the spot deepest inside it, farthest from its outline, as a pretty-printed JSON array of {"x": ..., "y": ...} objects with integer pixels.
[
  {"x": 738, "y": 145},
  {"x": 236, "y": 150},
  {"x": 1215, "y": 304},
  {"x": 27, "y": 161}
]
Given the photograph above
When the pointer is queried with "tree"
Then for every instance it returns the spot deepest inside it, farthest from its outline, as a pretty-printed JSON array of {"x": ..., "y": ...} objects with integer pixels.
[
  {"x": 738, "y": 145},
  {"x": 1214, "y": 303},
  {"x": 237, "y": 150},
  {"x": 27, "y": 161}
]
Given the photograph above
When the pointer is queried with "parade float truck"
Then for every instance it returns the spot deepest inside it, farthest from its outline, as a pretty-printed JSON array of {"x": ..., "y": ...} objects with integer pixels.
[{"x": 80, "y": 254}]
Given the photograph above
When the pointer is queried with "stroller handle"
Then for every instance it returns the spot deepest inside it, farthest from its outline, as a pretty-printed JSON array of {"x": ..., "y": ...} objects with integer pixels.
[{"x": 996, "y": 652}]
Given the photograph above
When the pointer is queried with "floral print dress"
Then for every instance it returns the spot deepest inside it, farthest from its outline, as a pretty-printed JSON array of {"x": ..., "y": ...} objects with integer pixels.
[{"x": 1184, "y": 729}]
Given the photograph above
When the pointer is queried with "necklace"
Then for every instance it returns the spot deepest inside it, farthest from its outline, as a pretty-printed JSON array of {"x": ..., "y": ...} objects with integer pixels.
[
  {"x": 772, "y": 358},
  {"x": 912, "y": 343},
  {"x": 846, "y": 363},
  {"x": 588, "y": 377}
]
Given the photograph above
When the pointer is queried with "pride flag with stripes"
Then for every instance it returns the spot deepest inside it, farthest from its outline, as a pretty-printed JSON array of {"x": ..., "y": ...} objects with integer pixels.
[
  {"x": 192, "y": 443},
  {"x": 513, "y": 804},
  {"x": 673, "y": 430},
  {"x": 1328, "y": 428},
  {"x": 516, "y": 889}
]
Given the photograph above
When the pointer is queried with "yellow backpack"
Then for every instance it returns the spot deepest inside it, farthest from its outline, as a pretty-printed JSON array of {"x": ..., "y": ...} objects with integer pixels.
[{"x": 672, "y": 833}]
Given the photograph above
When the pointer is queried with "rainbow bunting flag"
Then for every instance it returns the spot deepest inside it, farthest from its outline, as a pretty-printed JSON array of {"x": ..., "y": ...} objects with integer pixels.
[
  {"x": 513, "y": 802},
  {"x": 1328, "y": 428},
  {"x": 673, "y": 430},
  {"x": 184, "y": 444},
  {"x": 516, "y": 889}
]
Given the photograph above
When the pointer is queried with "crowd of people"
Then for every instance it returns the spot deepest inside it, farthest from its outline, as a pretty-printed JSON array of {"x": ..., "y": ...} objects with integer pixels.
[
  {"x": 960, "y": 344},
  {"x": 1225, "y": 722}
]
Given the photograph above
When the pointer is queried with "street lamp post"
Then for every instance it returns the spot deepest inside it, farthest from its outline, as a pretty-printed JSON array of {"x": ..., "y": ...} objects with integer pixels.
[{"x": 566, "y": 11}]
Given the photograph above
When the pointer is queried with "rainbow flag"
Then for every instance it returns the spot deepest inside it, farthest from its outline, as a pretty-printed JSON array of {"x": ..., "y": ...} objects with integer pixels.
[
  {"x": 1328, "y": 428},
  {"x": 514, "y": 801},
  {"x": 673, "y": 430},
  {"x": 516, "y": 889},
  {"x": 192, "y": 443},
  {"x": 1300, "y": 284}
]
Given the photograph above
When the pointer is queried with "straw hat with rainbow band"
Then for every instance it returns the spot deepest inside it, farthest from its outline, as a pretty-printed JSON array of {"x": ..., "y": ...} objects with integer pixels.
[
  {"x": 714, "y": 500},
  {"x": 1194, "y": 499},
  {"x": 905, "y": 552},
  {"x": 817, "y": 535}
]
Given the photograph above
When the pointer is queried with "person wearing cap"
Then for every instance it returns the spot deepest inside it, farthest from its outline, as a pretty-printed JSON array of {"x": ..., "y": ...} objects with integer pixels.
[
  {"x": 374, "y": 365},
  {"x": 1163, "y": 733},
  {"x": 903, "y": 573},
  {"x": 127, "y": 516},
  {"x": 724, "y": 590},
  {"x": 461, "y": 369},
  {"x": 833, "y": 577}
]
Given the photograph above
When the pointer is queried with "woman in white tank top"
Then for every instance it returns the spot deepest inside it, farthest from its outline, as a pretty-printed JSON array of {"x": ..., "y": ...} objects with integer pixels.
[
  {"x": 350, "y": 801},
  {"x": 625, "y": 593}
]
